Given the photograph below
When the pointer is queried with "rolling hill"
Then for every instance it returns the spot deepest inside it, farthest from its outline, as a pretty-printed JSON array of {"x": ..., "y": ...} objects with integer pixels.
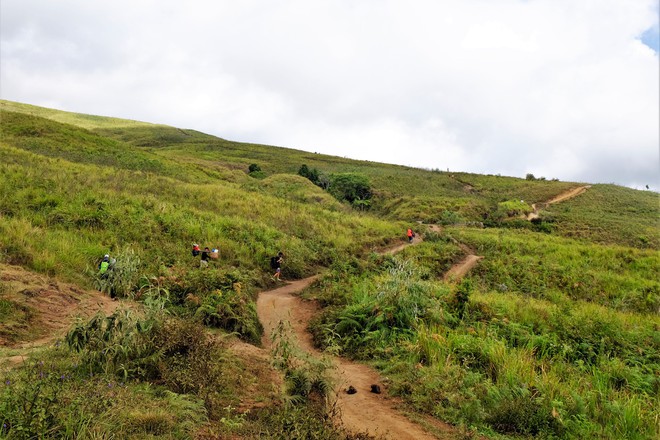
[{"x": 555, "y": 333}]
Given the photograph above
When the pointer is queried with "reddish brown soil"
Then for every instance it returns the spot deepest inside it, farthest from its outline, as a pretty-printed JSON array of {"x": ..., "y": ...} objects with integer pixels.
[
  {"x": 376, "y": 414},
  {"x": 364, "y": 411},
  {"x": 459, "y": 270},
  {"x": 54, "y": 305},
  {"x": 560, "y": 198}
]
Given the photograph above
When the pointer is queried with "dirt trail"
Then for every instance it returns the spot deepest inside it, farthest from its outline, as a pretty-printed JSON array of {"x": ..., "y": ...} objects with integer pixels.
[
  {"x": 360, "y": 412},
  {"x": 459, "y": 270},
  {"x": 364, "y": 411},
  {"x": 53, "y": 307},
  {"x": 560, "y": 198}
]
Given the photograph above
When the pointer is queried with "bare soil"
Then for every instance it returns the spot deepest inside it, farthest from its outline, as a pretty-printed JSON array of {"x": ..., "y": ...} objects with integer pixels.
[
  {"x": 459, "y": 270},
  {"x": 53, "y": 307},
  {"x": 364, "y": 411},
  {"x": 560, "y": 198}
]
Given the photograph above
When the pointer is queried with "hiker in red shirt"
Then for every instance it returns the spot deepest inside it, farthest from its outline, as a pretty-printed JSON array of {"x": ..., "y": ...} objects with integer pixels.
[{"x": 411, "y": 235}]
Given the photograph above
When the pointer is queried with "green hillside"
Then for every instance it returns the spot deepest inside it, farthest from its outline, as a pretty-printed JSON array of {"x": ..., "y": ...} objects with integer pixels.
[{"x": 554, "y": 334}]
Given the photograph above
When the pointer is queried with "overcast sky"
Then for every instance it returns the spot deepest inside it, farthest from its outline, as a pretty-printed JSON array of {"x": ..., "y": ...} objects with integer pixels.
[{"x": 564, "y": 89}]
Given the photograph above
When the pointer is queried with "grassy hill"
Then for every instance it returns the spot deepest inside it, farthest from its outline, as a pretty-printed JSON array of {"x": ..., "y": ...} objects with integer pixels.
[{"x": 555, "y": 334}]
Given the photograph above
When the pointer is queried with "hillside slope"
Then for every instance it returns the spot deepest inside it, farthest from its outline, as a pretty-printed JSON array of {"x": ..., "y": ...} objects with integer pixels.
[{"x": 554, "y": 333}]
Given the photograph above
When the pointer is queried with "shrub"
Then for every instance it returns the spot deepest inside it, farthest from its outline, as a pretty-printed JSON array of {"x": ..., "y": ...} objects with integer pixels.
[
  {"x": 121, "y": 344},
  {"x": 352, "y": 188},
  {"x": 306, "y": 377},
  {"x": 521, "y": 411},
  {"x": 461, "y": 297},
  {"x": 121, "y": 277},
  {"x": 29, "y": 401},
  {"x": 192, "y": 362},
  {"x": 231, "y": 310}
]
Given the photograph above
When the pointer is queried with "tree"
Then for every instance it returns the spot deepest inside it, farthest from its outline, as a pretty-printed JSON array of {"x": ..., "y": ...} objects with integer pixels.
[
  {"x": 253, "y": 167},
  {"x": 313, "y": 175},
  {"x": 353, "y": 188},
  {"x": 303, "y": 171}
]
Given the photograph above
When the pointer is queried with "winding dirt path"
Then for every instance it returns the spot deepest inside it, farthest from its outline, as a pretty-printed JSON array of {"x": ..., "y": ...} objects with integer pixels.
[
  {"x": 460, "y": 269},
  {"x": 375, "y": 414},
  {"x": 364, "y": 411},
  {"x": 560, "y": 198}
]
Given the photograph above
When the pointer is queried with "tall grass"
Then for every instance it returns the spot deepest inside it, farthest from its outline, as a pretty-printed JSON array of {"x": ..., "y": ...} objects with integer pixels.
[
  {"x": 508, "y": 363},
  {"x": 554, "y": 268}
]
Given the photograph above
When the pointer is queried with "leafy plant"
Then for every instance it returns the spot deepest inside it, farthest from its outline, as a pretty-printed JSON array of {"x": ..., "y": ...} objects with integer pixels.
[
  {"x": 306, "y": 377},
  {"x": 352, "y": 188},
  {"x": 122, "y": 275}
]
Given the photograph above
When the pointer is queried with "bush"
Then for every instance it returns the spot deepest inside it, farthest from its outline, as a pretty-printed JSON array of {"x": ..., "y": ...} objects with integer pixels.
[
  {"x": 352, "y": 188},
  {"x": 121, "y": 277},
  {"x": 306, "y": 377},
  {"x": 522, "y": 411},
  {"x": 29, "y": 401},
  {"x": 461, "y": 297},
  {"x": 121, "y": 344},
  {"x": 192, "y": 363},
  {"x": 376, "y": 315},
  {"x": 231, "y": 310}
]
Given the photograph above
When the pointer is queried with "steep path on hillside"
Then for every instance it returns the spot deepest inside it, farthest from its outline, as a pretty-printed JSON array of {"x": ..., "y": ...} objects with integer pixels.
[
  {"x": 360, "y": 412},
  {"x": 460, "y": 269},
  {"x": 376, "y": 414},
  {"x": 560, "y": 198}
]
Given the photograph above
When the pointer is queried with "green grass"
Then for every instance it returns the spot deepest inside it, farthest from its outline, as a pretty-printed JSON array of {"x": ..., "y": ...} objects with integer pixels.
[
  {"x": 610, "y": 214},
  {"x": 554, "y": 334},
  {"x": 85, "y": 121},
  {"x": 76, "y": 212},
  {"x": 543, "y": 266},
  {"x": 507, "y": 363}
]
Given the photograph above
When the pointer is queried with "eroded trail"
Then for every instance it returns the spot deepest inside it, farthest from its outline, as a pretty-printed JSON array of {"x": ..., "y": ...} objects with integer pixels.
[
  {"x": 560, "y": 198},
  {"x": 363, "y": 411},
  {"x": 53, "y": 306},
  {"x": 459, "y": 270}
]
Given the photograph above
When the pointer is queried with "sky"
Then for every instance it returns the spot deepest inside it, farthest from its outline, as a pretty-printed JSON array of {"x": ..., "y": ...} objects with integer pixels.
[{"x": 566, "y": 89}]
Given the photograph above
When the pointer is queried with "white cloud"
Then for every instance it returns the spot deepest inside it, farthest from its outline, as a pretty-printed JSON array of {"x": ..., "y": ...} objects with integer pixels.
[{"x": 554, "y": 87}]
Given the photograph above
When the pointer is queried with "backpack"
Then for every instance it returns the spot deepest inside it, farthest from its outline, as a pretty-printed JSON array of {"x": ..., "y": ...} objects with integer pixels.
[
  {"x": 273, "y": 262},
  {"x": 103, "y": 268}
]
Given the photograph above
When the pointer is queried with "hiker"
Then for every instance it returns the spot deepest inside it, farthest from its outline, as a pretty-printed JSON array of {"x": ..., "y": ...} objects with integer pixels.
[
  {"x": 104, "y": 266},
  {"x": 276, "y": 263},
  {"x": 411, "y": 235},
  {"x": 204, "y": 262},
  {"x": 195, "y": 250}
]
